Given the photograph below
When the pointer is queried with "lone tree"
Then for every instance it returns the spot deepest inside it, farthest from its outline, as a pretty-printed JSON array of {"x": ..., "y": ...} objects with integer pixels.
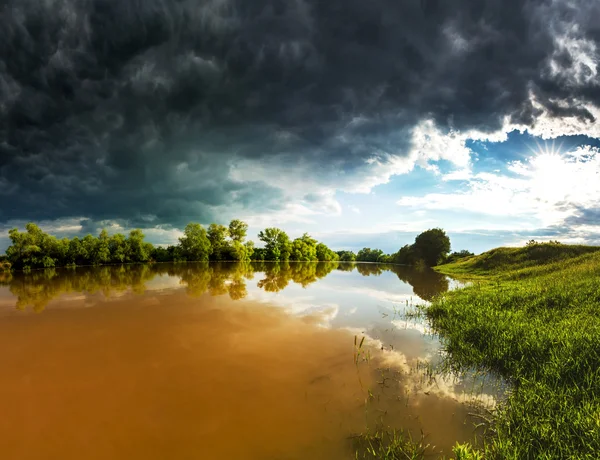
[{"x": 432, "y": 246}]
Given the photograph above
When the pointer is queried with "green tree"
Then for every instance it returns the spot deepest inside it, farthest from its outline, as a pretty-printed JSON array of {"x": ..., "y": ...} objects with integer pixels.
[
  {"x": 175, "y": 253},
  {"x": 217, "y": 235},
  {"x": 324, "y": 254},
  {"x": 101, "y": 253},
  {"x": 89, "y": 248},
  {"x": 259, "y": 254},
  {"x": 285, "y": 246},
  {"x": 369, "y": 255},
  {"x": 16, "y": 251},
  {"x": 269, "y": 237},
  {"x": 238, "y": 230},
  {"x": 346, "y": 256},
  {"x": 304, "y": 249},
  {"x": 241, "y": 251},
  {"x": 195, "y": 245},
  {"x": 61, "y": 251},
  {"x": 405, "y": 255},
  {"x": 117, "y": 246},
  {"x": 432, "y": 246},
  {"x": 249, "y": 245},
  {"x": 137, "y": 249},
  {"x": 27, "y": 248},
  {"x": 277, "y": 244},
  {"x": 78, "y": 254},
  {"x": 160, "y": 254}
]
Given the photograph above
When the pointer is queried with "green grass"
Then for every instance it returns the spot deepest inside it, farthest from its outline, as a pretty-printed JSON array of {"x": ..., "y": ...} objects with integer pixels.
[
  {"x": 533, "y": 316},
  {"x": 399, "y": 445},
  {"x": 500, "y": 260},
  {"x": 389, "y": 445}
]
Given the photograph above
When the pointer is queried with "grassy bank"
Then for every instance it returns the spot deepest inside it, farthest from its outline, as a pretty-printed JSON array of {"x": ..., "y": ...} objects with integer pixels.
[
  {"x": 499, "y": 261},
  {"x": 533, "y": 315}
]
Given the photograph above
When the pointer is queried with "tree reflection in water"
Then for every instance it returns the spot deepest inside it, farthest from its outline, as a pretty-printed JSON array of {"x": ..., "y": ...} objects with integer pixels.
[
  {"x": 368, "y": 269},
  {"x": 38, "y": 288},
  {"x": 426, "y": 283}
]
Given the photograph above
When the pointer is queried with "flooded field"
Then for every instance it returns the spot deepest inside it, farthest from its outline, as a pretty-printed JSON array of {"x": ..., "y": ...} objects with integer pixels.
[{"x": 222, "y": 361}]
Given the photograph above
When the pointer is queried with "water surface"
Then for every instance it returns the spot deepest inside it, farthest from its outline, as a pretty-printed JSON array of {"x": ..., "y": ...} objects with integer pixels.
[{"x": 220, "y": 361}]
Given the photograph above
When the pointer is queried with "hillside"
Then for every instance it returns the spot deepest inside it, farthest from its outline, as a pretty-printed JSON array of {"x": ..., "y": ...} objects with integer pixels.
[{"x": 501, "y": 260}]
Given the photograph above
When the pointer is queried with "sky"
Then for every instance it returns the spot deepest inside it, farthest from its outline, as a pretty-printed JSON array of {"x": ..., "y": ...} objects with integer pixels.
[{"x": 360, "y": 122}]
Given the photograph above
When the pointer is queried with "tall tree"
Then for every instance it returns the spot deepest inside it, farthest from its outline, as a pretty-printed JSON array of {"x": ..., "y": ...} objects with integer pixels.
[
  {"x": 304, "y": 249},
  {"x": 89, "y": 244},
  {"x": 238, "y": 230},
  {"x": 19, "y": 249},
  {"x": 277, "y": 243},
  {"x": 102, "y": 251},
  {"x": 432, "y": 246},
  {"x": 137, "y": 250},
  {"x": 285, "y": 246},
  {"x": 117, "y": 246},
  {"x": 61, "y": 251},
  {"x": 77, "y": 254},
  {"x": 241, "y": 251},
  {"x": 27, "y": 248},
  {"x": 217, "y": 235},
  {"x": 195, "y": 245}
]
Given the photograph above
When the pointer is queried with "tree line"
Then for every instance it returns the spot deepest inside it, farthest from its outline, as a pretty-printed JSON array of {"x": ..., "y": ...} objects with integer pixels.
[
  {"x": 431, "y": 247},
  {"x": 34, "y": 248}
]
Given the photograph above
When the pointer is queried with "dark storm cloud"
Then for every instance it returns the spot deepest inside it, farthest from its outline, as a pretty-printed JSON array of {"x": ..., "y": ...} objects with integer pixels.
[{"x": 119, "y": 109}]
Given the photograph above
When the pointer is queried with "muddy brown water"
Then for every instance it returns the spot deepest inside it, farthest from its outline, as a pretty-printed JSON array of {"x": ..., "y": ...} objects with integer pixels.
[{"x": 220, "y": 361}]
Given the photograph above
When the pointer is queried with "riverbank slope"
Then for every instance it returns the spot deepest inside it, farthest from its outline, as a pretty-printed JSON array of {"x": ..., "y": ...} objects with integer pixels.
[{"x": 532, "y": 315}]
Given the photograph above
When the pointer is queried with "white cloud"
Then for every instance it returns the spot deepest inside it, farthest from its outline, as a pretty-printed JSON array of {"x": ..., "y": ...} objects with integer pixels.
[
  {"x": 576, "y": 234},
  {"x": 291, "y": 213},
  {"x": 162, "y": 234},
  {"x": 458, "y": 174},
  {"x": 410, "y": 225},
  {"x": 430, "y": 144},
  {"x": 549, "y": 186},
  {"x": 537, "y": 189}
]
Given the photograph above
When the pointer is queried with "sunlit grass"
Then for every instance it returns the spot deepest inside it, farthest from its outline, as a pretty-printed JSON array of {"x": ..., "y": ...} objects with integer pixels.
[
  {"x": 533, "y": 317},
  {"x": 389, "y": 445},
  {"x": 400, "y": 445},
  {"x": 499, "y": 260}
]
